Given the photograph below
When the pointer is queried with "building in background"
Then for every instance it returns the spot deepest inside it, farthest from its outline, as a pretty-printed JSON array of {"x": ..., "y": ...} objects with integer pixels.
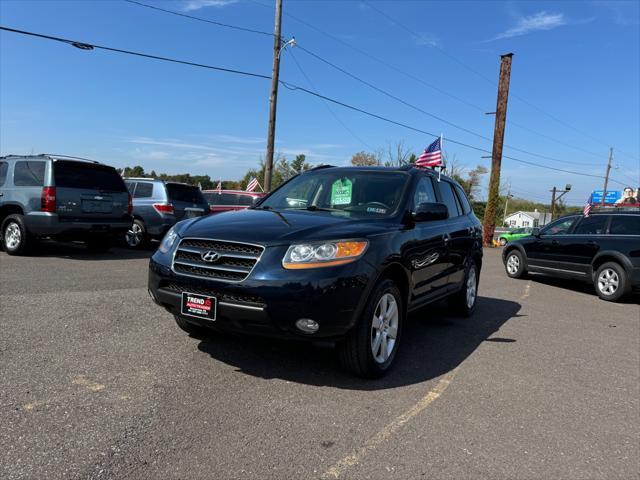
[{"x": 527, "y": 219}]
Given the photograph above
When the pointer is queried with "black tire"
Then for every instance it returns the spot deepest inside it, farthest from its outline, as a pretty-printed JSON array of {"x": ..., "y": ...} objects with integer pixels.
[
  {"x": 611, "y": 282},
  {"x": 516, "y": 269},
  {"x": 137, "y": 237},
  {"x": 99, "y": 244},
  {"x": 14, "y": 230},
  {"x": 190, "y": 328},
  {"x": 459, "y": 302},
  {"x": 356, "y": 350}
]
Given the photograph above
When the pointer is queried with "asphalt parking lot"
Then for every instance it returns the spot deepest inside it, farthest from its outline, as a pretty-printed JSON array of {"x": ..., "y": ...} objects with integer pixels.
[{"x": 98, "y": 382}]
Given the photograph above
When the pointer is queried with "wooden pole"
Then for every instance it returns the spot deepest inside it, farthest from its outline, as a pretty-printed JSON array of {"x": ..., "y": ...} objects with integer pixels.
[
  {"x": 496, "y": 154},
  {"x": 273, "y": 99}
]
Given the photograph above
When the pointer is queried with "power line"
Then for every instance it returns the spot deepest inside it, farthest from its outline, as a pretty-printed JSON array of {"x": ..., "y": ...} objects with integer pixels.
[
  {"x": 200, "y": 19},
  {"x": 523, "y": 100},
  {"x": 327, "y": 105},
  {"x": 91, "y": 46},
  {"x": 192, "y": 17},
  {"x": 290, "y": 86}
]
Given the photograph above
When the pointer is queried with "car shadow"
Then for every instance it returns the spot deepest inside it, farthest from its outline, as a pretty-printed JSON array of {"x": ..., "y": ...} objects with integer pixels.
[
  {"x": 79, "y": 251},
  {"x": 581, "y": 287},
  {"x": 433, "y": 344}
]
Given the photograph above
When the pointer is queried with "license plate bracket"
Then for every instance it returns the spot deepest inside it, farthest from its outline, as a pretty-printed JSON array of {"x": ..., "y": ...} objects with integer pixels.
[{"x": 199, "y": 306}]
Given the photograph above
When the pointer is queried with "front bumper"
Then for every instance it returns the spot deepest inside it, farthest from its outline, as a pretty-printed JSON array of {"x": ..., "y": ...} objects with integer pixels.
[
  {"x": 46, "y": 224},
  {"x": 270, "y": 302}
]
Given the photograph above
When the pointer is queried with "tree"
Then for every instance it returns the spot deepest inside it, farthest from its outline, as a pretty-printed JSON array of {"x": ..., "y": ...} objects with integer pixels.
[
  {"x": 136, "y": 171},
  {"x": 365, "y": 159},
  {"x": 397, "y": 154},
  {"x": 473, "y": 180},
  {"x": 299, "y": 165}
]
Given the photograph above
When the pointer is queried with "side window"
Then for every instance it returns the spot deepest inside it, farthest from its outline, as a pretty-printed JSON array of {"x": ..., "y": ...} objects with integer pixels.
[
  {"x": 29, "y": 174},
  {"x": 131, "y": 186},
  {"x": 559, "y": 227},
  {"x": 624, "y": 225},
  {"x": 4, "y": 166},
  {"x": 424, "y": 192},
  {"x": 449, "y": 199},
  {"x": 464, "y": 201},
  {"x": 143, "y": 190},
  {"x": 245, "y": 200},
  {"x": 594, "y": 225}
]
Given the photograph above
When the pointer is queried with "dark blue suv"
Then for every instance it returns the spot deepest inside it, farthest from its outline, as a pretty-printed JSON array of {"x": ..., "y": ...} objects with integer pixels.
[{"x": 338, "y": 254}]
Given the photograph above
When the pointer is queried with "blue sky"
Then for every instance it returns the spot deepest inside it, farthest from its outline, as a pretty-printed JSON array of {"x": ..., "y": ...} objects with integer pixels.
[{"x": 577, "y": 61}]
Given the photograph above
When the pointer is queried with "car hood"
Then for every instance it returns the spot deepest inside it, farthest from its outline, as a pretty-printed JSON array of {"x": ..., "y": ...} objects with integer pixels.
[{"x": 270, "y": 227}]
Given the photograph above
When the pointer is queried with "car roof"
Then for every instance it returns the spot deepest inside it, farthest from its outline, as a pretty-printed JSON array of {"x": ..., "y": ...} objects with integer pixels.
[
  {"x": 54, "y": 157},
  {"x": 409, "y": 168}
]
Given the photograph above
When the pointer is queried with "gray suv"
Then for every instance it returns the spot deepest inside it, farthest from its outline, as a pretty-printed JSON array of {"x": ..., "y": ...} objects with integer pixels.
[
  {"x": 63, "y": 198},
  {"x": 158, "y": 205}
]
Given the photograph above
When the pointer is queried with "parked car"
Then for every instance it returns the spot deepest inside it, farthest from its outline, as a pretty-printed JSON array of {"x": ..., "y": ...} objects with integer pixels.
[
  {"x": 514, "y": 234},
  {"x": 158, "y": 205},
  {"x": 230, "y": 200},
  {"x": 334, "y": 254},
  {"x": 58, "y": 197},
  {"x": 602, "y": 248}
]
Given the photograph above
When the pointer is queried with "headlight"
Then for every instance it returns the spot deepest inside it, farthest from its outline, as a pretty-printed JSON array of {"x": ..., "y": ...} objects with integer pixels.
[
  {"x": 167, "y": 242},
  {"x": 323, "y": 254}
]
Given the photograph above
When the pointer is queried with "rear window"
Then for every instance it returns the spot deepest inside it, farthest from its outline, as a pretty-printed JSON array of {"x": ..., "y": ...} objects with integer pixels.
[
  {"x": 87, "y": 176},
  {"x": 449, "y": 199},
  {"x": 29, "y": 174},
  {"x": 184, "y": 193},
  {"x": 594, "y": 225},
  {"x": 625, "y": 225},
  {"x": 462, "y": 198},
  {"x": 143, "y": 190}
]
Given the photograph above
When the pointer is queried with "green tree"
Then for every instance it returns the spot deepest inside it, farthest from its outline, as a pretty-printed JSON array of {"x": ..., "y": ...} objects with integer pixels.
[{"x": 299, "y": 165}]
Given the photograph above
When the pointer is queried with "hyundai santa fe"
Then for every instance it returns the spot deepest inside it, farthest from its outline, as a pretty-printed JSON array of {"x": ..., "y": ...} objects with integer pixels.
[{"x": 335, "y": 254}]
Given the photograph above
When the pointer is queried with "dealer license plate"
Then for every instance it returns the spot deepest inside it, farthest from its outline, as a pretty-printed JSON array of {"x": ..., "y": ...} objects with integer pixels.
[{"x": 200, "y": 306}]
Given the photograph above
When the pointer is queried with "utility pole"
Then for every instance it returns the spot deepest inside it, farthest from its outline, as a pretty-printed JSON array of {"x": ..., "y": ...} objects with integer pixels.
[
  {"x": 606, "y": 177},
  {"x": 553, "y": 202},
  {"x": 273, "y": 99},
  {"x": 555, "y": 197},
  {"x": 496, "y": 153},
  {"x": 506, "y": 204}
]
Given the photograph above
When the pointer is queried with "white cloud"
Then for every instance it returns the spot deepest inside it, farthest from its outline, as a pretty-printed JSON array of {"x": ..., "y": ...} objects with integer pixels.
[
  {"x": 533, "y": 23},
  {"x": 191, "y": 5},
  {"x": 426, "y": 39},
  {"x": 169, "y": 143}
]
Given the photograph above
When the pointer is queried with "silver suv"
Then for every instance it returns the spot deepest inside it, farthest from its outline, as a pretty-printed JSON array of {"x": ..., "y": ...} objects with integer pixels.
[
  {"x": 60, "y": 197},
  {"x": 158, "y": 205}
]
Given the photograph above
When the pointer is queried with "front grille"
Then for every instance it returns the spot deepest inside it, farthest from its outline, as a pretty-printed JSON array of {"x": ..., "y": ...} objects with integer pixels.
[
  {"x": 234, "y": 263},
  {"x": 248, "y": 300}
]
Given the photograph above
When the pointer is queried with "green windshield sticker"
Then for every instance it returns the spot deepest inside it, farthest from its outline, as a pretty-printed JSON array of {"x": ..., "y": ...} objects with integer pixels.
[{"x": 341, "y": 192}]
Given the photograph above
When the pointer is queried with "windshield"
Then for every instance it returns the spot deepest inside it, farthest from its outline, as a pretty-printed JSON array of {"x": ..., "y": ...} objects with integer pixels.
[
  {"x": 184, "y": 193},
  {"x": 346, "y": 192},
  {"x": 87, "y": 176}
]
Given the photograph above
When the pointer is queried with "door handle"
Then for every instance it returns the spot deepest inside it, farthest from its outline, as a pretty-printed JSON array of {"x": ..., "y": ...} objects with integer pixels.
[{"x": 446, "y": 238}]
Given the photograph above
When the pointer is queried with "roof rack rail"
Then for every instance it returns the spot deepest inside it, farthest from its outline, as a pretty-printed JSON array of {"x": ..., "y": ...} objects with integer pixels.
[
  {"x": 140, "y": 178},
  {"x": 54, "y": 156},
  {"x": 319, "y": 167}
]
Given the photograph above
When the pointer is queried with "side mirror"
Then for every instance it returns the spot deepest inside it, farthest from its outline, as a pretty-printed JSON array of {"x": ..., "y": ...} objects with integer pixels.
[
  {"x": 535, "y": 232},
  {"x": 430, "y": 211}
]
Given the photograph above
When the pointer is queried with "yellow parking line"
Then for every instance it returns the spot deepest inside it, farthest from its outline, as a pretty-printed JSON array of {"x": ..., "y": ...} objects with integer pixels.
[{"x": 355, "y": 457}]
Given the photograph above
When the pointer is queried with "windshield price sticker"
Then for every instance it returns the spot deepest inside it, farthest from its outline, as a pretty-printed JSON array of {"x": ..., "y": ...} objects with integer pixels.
[{"x": 341, "y": 192}]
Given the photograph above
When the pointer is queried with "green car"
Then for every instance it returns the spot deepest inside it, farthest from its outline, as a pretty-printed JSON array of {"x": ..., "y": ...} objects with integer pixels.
[{"x": 514, "y": 234}]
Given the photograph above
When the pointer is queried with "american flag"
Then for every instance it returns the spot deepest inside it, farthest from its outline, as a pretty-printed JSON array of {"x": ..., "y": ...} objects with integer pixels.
[
  {"x": 252, "y": 185},
  {"x": 587, "y": 209},
  {"x": 432, "y": 155}
]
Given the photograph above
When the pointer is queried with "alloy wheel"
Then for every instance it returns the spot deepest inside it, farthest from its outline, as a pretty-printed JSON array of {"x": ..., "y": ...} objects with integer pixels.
[
  {"x": 13, "y": 236},
  {"x": 513, "y": 264},
  {"x": 472, "y": 287},
  {"x": 384, "y": 328},
  {"x": 134, "y": 235},
  {"x": 608, "y": 281}
]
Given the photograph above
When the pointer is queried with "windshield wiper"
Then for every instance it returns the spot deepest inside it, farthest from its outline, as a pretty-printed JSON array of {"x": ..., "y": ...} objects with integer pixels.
[{"x": 314, "y": 208}]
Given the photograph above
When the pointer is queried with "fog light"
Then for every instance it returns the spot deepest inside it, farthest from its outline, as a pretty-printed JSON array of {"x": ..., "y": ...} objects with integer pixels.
[{"x": 307, "y": 325}]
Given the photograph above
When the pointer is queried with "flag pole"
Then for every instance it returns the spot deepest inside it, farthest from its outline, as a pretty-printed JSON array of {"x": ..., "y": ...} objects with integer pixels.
[{"x": 441, "y": 156}]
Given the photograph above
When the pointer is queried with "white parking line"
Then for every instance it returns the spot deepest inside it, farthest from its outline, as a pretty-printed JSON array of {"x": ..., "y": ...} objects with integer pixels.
[{"x": 354, "y": 458}]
